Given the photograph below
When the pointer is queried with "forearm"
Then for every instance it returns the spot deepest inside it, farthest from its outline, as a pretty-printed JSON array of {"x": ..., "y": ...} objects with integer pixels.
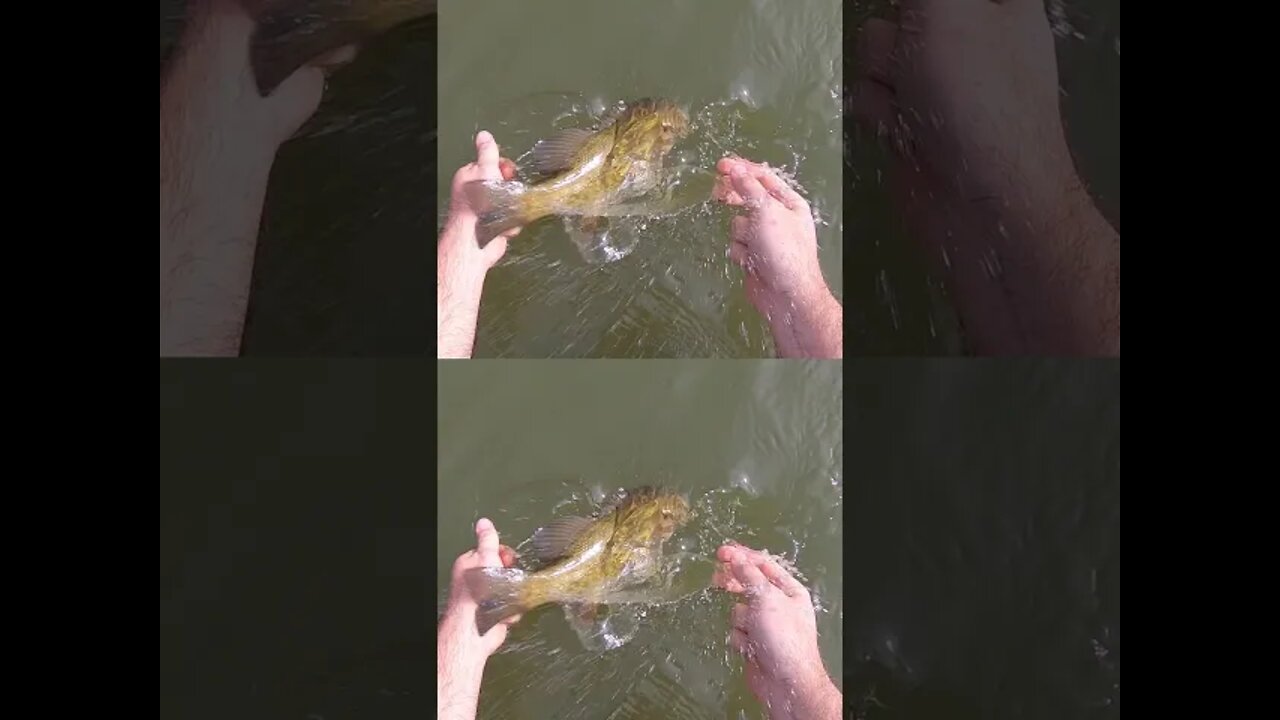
[
  {"x": 1044, "y": 277},
  {"x": 1032, "y": 269},
  {"x": 212, "y": 189},
  {"x": 823, "y": 702},
  {"x": 814, "y": 698},
  {"x": 459, "y": 286},
  {"x": 458, "y": 676},
  {"x": 808, "y": 327}
]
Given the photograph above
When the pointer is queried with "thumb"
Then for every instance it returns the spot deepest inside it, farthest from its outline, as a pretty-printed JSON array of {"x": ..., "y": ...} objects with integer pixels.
[
  {"x": 494, "y": 251},
  {"x": 295, "y": 100},
  {"x": 493, "y": 639}
]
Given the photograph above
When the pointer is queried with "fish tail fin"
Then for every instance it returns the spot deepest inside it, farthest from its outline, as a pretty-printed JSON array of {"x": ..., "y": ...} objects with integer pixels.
[
  {"x": 500, "y": 206},
  {"x": 500, "y": 593}
]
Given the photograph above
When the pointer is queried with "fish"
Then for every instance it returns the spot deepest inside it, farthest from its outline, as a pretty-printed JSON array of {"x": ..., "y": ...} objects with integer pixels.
[
  {"x": 587, "y": 175},
  {"x": 291, "y": 33},
  {"x": 603, "y": 559}
]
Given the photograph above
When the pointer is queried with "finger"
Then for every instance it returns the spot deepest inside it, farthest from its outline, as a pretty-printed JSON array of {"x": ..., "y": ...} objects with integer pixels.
[
  {"x": 487, "y": 152},
  {"x": 726, "y": 165},
  {"x": 494, "y": 251},
  {"x": 486, "y": 537},
  {"x": 739, "y": 641},
  {"x": 507, "y": 168},
  {"x": 750, "y": 576},
  {"x": 751, "y": 555},
  {"x": 495, "y": 637},
  {"x": 723, "y": 578},
  {"x": 780, "y": 190},
  {"x": 875, "y": 50},
  {"x": 726, "y": 552},
  {"x": 752, "y": 192},
  {"x": 507, "y": 556},
  {"x": 724, "y": 192},
  {"x": 781, "y": 579},
  {"x": 740, "y": 229},
  {"x": 295, "y": 99},
  {"x": 335, "y": 59},
  {"x": 738, "y": 253},
  {"x": 739, "y": 616}
]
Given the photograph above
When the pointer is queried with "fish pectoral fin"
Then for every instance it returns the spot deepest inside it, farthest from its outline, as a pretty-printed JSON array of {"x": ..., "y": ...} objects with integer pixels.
[
  {"x": 587, "y": 613},
  {"x": 582, "y": 619},
  {"x": 553, "y": 540},
  {"x": 611, "y": 114},
  {"x": 590, "y": 233},
  {"x": 556, "y": 153}
]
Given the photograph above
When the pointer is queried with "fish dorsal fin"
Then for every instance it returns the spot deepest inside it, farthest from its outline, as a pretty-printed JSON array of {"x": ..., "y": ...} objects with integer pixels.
[
  {"x": 556, "y": 153},
  {"x": 612, "y": 113},
  {"x": 623, "y": 497},
  {"x": 614, "y": 500},
  {"x": 553, "y": 541}
]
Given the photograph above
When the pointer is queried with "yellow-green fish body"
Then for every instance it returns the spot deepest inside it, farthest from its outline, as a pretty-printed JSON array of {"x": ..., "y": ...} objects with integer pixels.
[
  {"x": 588, "y": 173},
  {"x": 592, "y": 560}
]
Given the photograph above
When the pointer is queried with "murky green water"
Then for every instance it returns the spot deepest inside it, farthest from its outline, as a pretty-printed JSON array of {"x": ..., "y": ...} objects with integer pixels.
[
  {"x": 762, "y": 80},
  {"x": 756, "y": 445}
]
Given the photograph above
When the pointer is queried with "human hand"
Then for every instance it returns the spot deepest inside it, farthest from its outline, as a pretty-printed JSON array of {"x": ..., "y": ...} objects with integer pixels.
[
  {"x": 461, "y": 264},
  {"x": 776, "y": 632},
  {"x": 458, "y": 627},
  {"x": 460, "y": 228},
  {"x": 968, "y": 94},
  {"x": 774, "y": 240},
  {"x": 211, "y": 79}
]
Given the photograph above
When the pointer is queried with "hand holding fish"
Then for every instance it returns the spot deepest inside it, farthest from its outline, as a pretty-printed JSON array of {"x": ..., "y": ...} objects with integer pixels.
[
  {"x": 776, "y": 632},
  {"x": 461, "y": 264},
  {"x": 461, "y": 651},
  {"x": 776, "y": 243}
]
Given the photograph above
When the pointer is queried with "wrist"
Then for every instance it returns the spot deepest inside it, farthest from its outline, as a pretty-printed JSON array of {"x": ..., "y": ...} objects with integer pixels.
[
  {"x": 811, "y": 293},
  {"x": 809, "y": 695},
  {"x": 458, "y": 258},
  {"x": 459, "y": 283},
  {"x": 459, "y": 668},
  {"x": 822, "y": 700},
  {"x": 806, "y": 323}
]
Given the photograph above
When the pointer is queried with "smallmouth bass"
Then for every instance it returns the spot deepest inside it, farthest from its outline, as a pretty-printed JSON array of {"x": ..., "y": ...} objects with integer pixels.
[
  {"x": 591, "y": 561},
  {"x": 587, "y": 174}
]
